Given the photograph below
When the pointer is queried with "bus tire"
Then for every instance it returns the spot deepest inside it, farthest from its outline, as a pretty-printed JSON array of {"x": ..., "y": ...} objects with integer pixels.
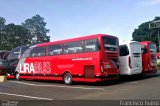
[
  {"x": 67, "y": 78},
  {"x": 17, "y": 76}
]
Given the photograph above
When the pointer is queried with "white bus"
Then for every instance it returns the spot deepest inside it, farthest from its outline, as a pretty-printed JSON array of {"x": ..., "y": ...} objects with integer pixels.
[{"x": 130, "y": 58}]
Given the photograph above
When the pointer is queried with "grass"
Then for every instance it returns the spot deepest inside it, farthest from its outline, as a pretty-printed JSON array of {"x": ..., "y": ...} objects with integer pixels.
[{"x": 158, "y": 64}]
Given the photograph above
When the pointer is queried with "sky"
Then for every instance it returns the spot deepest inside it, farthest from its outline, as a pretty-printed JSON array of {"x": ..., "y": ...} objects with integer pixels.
[{"x": 74, "y": 18}]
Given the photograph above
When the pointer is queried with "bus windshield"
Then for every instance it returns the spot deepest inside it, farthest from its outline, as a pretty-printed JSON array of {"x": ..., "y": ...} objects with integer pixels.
[
  {"x": 123, "y": 50},
  {"x": 110, "y": 43},
  {"x": 26, "y": 53},
  {"x": 152, "y": 48}
]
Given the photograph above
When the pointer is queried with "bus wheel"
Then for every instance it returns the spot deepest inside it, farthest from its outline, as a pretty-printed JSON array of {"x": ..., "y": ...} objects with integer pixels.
[
  {"x": 17, "y": 76},
  {"x": 67, "y": 78}
]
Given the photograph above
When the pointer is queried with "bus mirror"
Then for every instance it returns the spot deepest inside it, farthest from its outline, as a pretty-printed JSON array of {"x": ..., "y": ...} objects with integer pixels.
[{"x": 144, "y": 50}]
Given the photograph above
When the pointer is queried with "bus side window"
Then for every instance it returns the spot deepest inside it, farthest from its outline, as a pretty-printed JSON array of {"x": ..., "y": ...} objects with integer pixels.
[
  {"x": 38, "y": 51},
  {"x": 54, "y": 50},
  {"x": 91, "y": 45},
  {"x": 144, "y": 49},
  {"x": 74, "y": 47}
]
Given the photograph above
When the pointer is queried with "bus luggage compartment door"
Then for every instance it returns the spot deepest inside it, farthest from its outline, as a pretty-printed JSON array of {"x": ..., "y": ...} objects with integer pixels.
[{"x": 89, "y": 71}]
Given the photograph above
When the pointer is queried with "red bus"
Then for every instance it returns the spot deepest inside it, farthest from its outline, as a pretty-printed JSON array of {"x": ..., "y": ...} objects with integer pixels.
[
  {"x": 149, "y": 57},
  {"x": 89, "y": 59}
]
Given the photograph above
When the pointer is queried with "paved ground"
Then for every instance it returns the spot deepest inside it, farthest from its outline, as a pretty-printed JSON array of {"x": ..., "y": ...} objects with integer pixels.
[{"x": 135, "y": 87}]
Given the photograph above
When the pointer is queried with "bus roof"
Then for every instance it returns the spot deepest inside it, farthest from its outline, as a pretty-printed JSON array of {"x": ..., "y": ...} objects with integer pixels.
[
  {"x": 74, "y": 39},
  {"x": 146, "y": 42},
  {"x": 128, "y": 42},
  {"x": 19, "y": 47}
]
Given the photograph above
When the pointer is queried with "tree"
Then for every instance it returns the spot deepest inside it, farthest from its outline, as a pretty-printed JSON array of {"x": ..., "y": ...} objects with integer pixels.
[
  {"x": 37, "y": 30},
  {"x": 144, "y": 33},
  {"x": 2, "y": 25},
  {"x": 16, "y": 35},
  {"x": 31, "y": 31}
]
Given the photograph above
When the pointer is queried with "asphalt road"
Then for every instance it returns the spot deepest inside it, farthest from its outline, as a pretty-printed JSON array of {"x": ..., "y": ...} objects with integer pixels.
[{"x": 133, "y": 87}]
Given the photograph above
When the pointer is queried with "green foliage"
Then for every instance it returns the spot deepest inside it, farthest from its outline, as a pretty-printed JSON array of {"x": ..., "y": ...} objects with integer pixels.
[
  {"x": 158, "y": 64},
  {"x": 12, "y": 35},
  {"x": 37, "y": 30},
  {"x": 15, "y": 35},
  {"x": 2, "y": 26},
  {"x": 143, "y": 32}
]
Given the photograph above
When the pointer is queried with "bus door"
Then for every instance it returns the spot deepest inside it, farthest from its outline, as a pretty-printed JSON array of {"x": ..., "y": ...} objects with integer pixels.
[
  {"x": 135, "y": 55},
  {"x": 153, "y": 59}
]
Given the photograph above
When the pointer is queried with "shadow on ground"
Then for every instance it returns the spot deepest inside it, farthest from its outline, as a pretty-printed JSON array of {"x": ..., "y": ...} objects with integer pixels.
[{"x": 122, "y": 79}]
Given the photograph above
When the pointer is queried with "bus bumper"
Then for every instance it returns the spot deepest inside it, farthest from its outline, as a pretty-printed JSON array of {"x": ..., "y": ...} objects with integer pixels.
[
  {"x": 97, "y": 78},
  {"x": 149, "y": 72}
]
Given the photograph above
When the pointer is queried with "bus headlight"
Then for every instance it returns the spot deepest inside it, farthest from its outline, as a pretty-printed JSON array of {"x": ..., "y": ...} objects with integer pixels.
[{"x": 102, "y": 69}]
